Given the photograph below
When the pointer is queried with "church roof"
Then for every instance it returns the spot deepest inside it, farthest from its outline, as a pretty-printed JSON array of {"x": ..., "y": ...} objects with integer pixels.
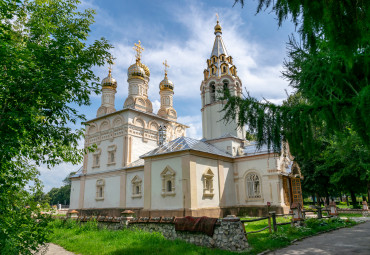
[
  {"x": 186, "y": 143},
  {"x": 252, "y": 149},
  {"x": 218, "y": 47},
  {"x": 78, "y": 173},
  {"x": 139, "y": 162}
]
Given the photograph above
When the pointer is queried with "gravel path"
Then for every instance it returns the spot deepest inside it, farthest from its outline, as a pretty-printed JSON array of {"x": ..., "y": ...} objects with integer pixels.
[
  {"x": 53, "y": 249},
  {"x": 345, "y": 241}
]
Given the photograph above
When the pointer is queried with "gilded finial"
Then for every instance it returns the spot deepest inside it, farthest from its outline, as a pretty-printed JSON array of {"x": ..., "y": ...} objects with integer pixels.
[
  {"x": 138, "y": 48},
  {"x": 110, "y": 63},
  {"x": 218, "y": 28},
  {"x": 166, "y": 66}
]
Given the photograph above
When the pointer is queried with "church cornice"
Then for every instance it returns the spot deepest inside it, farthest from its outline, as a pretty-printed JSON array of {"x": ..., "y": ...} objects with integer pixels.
[{"x": 134, "y": 110}]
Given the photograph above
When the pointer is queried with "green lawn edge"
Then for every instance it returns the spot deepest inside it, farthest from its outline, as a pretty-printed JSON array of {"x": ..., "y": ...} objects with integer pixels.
[{"x": 89, "y": 240}]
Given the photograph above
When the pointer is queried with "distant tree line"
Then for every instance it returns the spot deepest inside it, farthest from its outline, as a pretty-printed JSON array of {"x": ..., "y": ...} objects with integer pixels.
[{"x": 56, "y": 196}]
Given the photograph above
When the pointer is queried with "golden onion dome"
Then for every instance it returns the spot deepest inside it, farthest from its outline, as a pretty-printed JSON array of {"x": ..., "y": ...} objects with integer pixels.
[
  {"x": 166, "y": 84},
  {"x": 218, "y": 28},
  {"x": 146, "y": 69},
  {"x": 109, "y": 81},
  {"x": 136, "y": 70}
]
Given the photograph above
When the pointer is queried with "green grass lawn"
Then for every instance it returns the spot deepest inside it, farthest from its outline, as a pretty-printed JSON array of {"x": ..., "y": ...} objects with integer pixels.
[
  {"x": 88, "y": 240},
  {"x": 349, "y": 215}
]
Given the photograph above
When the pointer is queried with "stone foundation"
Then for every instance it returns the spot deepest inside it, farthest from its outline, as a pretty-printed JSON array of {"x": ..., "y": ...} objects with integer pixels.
[
  {"x": 216, "y": 212},
  {"x": 229, "y": 234}
]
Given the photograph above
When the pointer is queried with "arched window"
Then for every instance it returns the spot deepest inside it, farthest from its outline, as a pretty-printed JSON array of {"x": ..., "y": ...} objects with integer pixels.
[
  {"x": 168, "y": 182},
  {"x": 225, "y": 85},
  {"x": 100, "y": 189},
  {"x": 212, "y": 92},
  {"x": 112, "y": 154},
  {"x": 96, "y": 158},
  {"x": 253, "y": 185},
  {"x": 169, "y": 186},
  {"x": 224, "y": 69},
  {"x": 136, "y": 187},
  {"x": 203, "y": 96},
  {"x": 208, "y": 183}
]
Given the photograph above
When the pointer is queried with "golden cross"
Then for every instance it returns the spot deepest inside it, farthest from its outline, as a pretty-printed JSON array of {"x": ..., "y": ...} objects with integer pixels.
[
  {"x": 217, "y": 17},
  {"x": 138, "y": 50},
  {"x": 110, "y": 62},
  {"x": 165, "y": 67}
]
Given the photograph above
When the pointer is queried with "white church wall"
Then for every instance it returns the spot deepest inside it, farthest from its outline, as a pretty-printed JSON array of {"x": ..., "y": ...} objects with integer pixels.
[
  {"x": 111, "y": 193},
  {"x": 228, "y": 195},
  {"x": 230, "y": 146},
  {"x": 215, "y": 126},
  {"x": 139, "y": 147},
  {"x": 202, "y": 165},
  {"x": 132, "y": 201},
  {"x": 75, "y": 194},
  {"x": 269, "y": 188},
  {"x": 160, "y": 202},
  {"x": 105, "y": 164}
]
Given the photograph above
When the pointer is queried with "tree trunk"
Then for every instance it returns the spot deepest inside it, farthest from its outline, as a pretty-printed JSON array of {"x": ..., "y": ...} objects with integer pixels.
[
  {"x": 347, "y": 200},
  {"x": 314, "y": 199},
  {"x": 353, "y": 197},
  {"x": 368, "y": 191},
  {"x": 327, "y": 199},
  {"x": 340, "y": 196}
]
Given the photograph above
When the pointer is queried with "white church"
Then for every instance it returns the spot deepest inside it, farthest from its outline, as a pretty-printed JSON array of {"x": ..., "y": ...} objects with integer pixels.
[{"x": 144, "y": 161}]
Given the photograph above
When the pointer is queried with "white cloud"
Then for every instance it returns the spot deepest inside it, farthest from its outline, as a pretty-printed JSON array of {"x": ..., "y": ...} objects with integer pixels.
[
  {"x": 186, "y": 54},
  {"x": 187, "y": 57},
  {"x": 156, "y": 105},
  {"x": 195, "y": 125}
]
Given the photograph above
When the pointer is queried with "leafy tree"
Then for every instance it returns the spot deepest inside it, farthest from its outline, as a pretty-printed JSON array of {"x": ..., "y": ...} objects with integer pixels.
[
  {"x": 62, "y": 194},
  {"x": 45, "y": 68},
  {"x": 348, "y": 162},
  {"x": 328, "y": 66}
]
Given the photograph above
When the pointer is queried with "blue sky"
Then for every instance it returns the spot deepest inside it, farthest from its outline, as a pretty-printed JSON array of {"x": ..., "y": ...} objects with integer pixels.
[{"x": 181, "y": 32}]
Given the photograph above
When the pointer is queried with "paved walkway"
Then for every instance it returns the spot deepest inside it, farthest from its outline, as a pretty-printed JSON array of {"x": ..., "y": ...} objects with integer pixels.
[{"x": 355, "y": 240}]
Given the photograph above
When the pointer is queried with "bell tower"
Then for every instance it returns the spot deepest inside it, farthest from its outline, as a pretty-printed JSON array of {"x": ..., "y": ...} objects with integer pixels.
[{"x": 221, "y": 73}]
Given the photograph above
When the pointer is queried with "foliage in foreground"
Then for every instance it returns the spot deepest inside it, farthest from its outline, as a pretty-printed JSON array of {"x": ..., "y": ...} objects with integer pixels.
[
  {"x": 87, "y": 239},
  {"x": 45, "y": 68},
  {"x": 328, "y": 67}
]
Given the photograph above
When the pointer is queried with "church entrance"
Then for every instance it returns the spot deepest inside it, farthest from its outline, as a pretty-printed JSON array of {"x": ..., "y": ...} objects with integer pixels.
[{"x": 292, "y": 190}]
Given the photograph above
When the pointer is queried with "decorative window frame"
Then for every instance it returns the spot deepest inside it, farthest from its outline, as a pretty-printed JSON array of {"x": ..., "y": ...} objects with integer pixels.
[
  {"x": 100, "y": 185},
  {"x": 250, "y": 179},
  {"x": 212, "y": 92},
  {"x": 207, "y": 177},
  {"x": 96, "y": 154},
  {"x": 168, "y": 174},
  {"x": 112, "y": 150},
  {"x": 136, "y": 182}
]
